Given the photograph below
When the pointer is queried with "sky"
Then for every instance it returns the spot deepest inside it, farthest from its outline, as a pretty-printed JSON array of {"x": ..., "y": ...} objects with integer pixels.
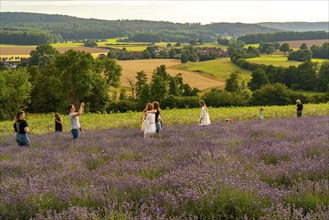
[{"x": 204, "y": 12}]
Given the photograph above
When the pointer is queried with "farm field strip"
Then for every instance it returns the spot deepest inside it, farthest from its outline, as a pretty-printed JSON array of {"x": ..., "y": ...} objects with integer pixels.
[
  {"x": 220, "y": 68},
  {"x": 43, "y": 123},
  {"x": 279, "y": 60},
  {"x": 131, "y": 67}
]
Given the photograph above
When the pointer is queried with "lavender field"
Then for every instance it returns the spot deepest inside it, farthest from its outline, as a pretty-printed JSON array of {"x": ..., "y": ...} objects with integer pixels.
[{"x": 271, "y": 169}]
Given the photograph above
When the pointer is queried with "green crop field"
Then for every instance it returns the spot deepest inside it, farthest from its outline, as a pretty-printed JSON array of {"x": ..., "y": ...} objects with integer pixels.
[
  {"x": 220, "y": 68},
  {"x": 67, "y": 44},
  {"x": 43, "y": 123},
  {"x": 279, "y": 60}
]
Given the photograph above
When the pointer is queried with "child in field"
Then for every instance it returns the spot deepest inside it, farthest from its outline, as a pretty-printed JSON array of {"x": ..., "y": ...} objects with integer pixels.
[
  {"x": 58, "y": 122},
  {"x": 299, "y": 108},
  {"x": 261, "y": 113}
]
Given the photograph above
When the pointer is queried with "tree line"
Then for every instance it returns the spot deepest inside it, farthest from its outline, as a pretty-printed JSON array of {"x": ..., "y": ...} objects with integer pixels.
[
  {"x": 73, "y": 28},
  {"x": 51, "y": 80},
  {"x": 310, "y": 76},
  {"x": 283, "y": 36}
]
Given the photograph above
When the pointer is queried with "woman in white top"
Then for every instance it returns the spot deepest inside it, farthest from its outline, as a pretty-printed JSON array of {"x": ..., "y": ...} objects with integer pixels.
[
  {"x": 204, "y": 116},
  {"x": 75, "y": 124},
  {"x": 149, "y": 121}
]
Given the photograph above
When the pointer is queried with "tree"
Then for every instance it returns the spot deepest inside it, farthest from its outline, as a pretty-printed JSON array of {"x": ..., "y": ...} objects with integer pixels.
[
  {"x": 141, "y": 78},
  {"x": 301, "y": 55},
  {"x": 15, "y": 91},
  {"x": 323, "y": 77},
  {"x": 258, "y": 79},
  {"x": 42, "y": 52},
  {"x": 132, "y": 87},
  {"x": 144, "y": 96},
  {"x": 90, "y": 43},
  {"x": 76, "y": 72},
  {"x": 174, "y": 86},
  {"x": 271, "y": 94},
  {"x": 232, "y": 83},
  {"x": 111, "y": 70},
  {"x": 159, "y": 88},
  {"x": 303, "y": 46},
  {"x": 270, "y": 50},
  {"x": 285, "y": 48},
  {"x": 123, "y": 94},
  {"x": 184, "y": 57}
]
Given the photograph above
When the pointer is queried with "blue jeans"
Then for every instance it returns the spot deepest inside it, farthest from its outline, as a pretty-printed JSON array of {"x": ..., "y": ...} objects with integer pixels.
[
  {"x": 22, "y": 140},
  {"x": 75, "y": 133},
  {"x": 158, "y": 127}
]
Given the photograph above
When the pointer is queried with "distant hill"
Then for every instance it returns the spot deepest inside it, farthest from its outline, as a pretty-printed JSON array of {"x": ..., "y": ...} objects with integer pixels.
[
  {"x": 297, "y": 26},
  {"x": 45, "y": 28},
  {"x": 73, "y": 28}
]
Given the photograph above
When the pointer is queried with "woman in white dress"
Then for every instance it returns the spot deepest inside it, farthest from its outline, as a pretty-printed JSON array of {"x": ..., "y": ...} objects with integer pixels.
[
  {"x": 204, "y": 116},
  {"x": 149, "y": 121}
]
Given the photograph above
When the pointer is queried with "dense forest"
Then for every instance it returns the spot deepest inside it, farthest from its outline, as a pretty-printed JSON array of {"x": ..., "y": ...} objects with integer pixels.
[
  {"x": 46, "y": 28},
  {"x": 283, "y": 36},
  {"x": 297, "y": 26}
]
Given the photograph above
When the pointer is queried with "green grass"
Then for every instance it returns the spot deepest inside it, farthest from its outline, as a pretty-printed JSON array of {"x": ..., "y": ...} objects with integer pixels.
[
  {"x": 279, "y": 60},
  {"x": 69, "y": 44},
  {"x": 43, "y": 123},
  {"x": 220, "y": 68},
  {"x": 308, "y": 92},
  {"x": 253, "y": 45}
]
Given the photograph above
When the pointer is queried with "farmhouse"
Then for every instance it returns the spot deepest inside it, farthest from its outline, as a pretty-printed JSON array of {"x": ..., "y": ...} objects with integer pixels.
[{"x": 13, "y": 63}]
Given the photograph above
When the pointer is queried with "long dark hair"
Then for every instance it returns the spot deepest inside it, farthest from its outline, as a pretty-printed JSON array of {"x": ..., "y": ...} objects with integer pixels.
[
  {"x": 18, "y": 115},
  {"x": 69, "y": 107},
  {"x": 156, "y": 106}
]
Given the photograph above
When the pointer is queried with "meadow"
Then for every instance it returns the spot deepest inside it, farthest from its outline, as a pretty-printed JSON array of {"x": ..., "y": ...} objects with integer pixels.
[
  {"x": 44, "y": 123},
  {"x": 220, "y": 68},
  {"x": 279, "y": 60},
  {"x": 270, "y": 169}
]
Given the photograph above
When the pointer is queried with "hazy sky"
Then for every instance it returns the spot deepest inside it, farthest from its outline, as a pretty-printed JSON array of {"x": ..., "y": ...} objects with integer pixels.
[{"x": 205, "y": 12}]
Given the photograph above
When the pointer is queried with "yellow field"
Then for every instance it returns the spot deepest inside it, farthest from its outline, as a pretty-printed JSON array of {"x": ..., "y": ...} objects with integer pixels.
[
  {"x": 200, "y": 81},
  {"x": 279, "y": 60}
]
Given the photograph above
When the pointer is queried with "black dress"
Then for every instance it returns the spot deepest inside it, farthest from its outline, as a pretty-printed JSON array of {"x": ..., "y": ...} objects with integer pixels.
[{"x": 58, "y": 125}]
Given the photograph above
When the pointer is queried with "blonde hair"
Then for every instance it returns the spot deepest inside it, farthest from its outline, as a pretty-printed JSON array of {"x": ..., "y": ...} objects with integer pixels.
[
  {"x": 298, "y": 101},
  {"x": 202, "y": 103},
  {"x": 149, "y": 107}
]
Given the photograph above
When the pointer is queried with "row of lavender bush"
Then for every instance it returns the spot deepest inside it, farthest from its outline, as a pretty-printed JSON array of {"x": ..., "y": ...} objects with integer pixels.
[{"x": 271, "y": 169}]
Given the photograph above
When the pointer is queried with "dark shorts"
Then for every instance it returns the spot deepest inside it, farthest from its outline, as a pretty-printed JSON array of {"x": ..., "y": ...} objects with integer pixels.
[
  {"x": 22, "y": 140},
  {"x": 75, "y": 133}
]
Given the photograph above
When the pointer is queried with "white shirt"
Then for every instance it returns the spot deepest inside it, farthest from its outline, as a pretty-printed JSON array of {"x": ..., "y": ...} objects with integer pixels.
[
  {"x": 75, "y": 124},
  {"x": 204, "y": 116},
  {"x": 149, "y": 124}
]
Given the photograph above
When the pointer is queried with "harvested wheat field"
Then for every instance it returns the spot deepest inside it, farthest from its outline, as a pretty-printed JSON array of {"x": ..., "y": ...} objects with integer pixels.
[
  {"x": 131, "y": 67},
  {"x": 309, "y": 43}
]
